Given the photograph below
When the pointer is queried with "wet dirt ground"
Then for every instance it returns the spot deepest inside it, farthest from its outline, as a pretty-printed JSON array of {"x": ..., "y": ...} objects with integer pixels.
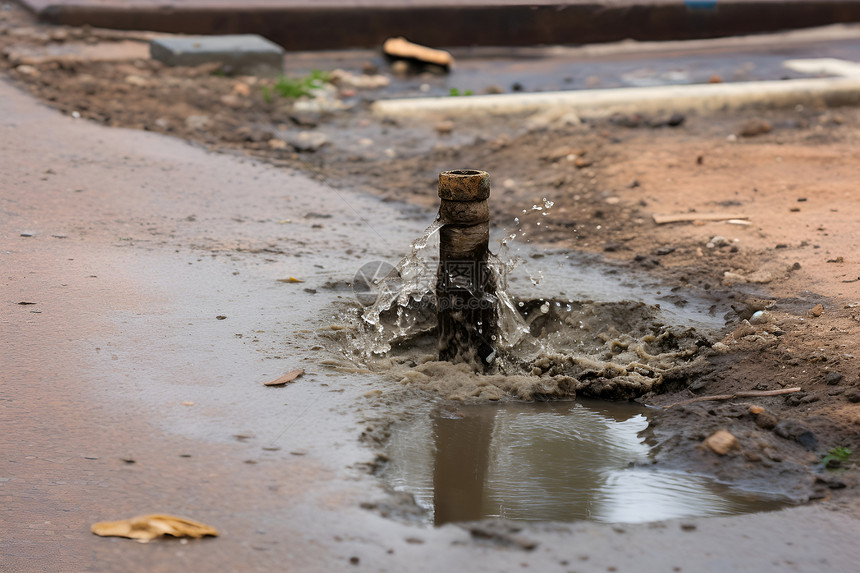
[{"x": 133, "y": 245}]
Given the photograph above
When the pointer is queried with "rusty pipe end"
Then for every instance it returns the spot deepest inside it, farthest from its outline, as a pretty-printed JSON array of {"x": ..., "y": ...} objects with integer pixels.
[{"x": 464, "y": 185}]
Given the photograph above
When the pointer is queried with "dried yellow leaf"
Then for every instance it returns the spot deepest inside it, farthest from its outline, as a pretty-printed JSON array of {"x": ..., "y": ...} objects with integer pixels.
[
  {"x": 148, "y": 527},
  {"x": 288, "y": 377},
  {"x": 291, "y": 280}
]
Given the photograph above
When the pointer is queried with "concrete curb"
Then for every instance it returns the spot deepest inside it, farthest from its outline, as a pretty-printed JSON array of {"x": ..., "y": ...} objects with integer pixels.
[
  {"x": 338, "y": 24},
  {"x": 700, "y": 97}
]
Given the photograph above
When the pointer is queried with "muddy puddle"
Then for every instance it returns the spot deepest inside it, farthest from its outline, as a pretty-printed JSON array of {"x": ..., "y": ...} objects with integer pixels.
[{"x": 549, "y": 461}]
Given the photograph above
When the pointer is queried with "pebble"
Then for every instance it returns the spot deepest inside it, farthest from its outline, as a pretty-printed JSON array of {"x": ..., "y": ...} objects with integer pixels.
[
  {"x": 399, "y": 68},
  {"x": 28, "y": 70},
  {"x": 135, "y": 80},
  {"x": 797, "y": 431},
  {"x": 766, "y": 420},
  {"x": 816, "y": 310},
  {"x": 242, "y": 89},
  {"x": 309, "y": 141},
  {"x": 833, "y": 378},
  {"x": 721, "y": 442},
  {"x": 754, "y": 127},
  {"x": 197, "y": 121},
  {"x": 444, "y": 127},
  {"x": 717, "y": 241},
  {"x": 760, "y": 317},
  {"x": 853, "y": 395}
]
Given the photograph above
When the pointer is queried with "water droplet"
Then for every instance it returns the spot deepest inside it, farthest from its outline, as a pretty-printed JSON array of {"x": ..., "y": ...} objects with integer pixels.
[{"x": 520, "y": 304}]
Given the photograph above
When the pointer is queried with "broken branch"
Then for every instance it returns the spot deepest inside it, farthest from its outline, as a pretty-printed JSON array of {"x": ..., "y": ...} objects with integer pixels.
[
  {"x": 688, "y": 217},
  {"x": 741, "y": 394}
]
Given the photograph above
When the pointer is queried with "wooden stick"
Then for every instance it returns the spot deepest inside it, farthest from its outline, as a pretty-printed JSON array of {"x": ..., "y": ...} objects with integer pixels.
[
  {"x": 687, "y": 217},
  {"x": 742, "y": 394}
]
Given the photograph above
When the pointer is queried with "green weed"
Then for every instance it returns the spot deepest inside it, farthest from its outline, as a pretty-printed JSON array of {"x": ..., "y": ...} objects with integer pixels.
[
  {"x": 455, "y": 92},
  {"x": 294, "y": 88},
  {"x": 835, "y": 457}
]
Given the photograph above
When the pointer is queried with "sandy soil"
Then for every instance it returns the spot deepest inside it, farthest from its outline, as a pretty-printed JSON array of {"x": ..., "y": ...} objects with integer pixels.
[{"x": 794, "y": 257}]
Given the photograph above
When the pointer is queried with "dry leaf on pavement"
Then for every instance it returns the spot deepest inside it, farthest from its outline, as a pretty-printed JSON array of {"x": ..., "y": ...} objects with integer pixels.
[
  {"x": 288, "y": 377},
  {"x": 148, "y": 527}
]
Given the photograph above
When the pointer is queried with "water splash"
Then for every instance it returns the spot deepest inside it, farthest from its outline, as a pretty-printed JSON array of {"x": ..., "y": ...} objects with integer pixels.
[
  {"x": 406, "y": 304},
  {"x": 547, "y": 346}
]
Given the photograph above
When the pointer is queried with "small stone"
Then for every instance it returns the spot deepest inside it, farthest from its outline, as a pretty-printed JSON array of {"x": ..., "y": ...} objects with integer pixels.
[
  {"x": 59, "y": 35},
  {"x": 28, "y": 70},
  {"x": 231, "y": 100},
  {"x": 275, "y": 143},
  {"x": 563, "y": 152},
  {"x": 754, "y": 127},
  {"x": 444, "y": 127},
  {"x": 137, "y": 81},
  {"x": 797, "y": 431},
  {"x": 833, "y": 378},
  {"x": 853, "y": 395},
  {"x": 760, "y": 317},
  {"x": 687, "y": 526},
  {"x": 721, "y": 442},
  {"x": 662, "y": 251},
  {"x": 308, "y": 141},
  {"x": 717, "y": 241},
  {"x": 494, "y": 89},
  {"x": 816, "y": 310},
  {"x": 582, "y": 162},
  {"x": 242, "y": 89},
  {"x": 715, "y": 79},
  {"x": 197, "y": 122},
  {"x": 766, "y": 421},
  {"x": 400, "y": 68},
  {"x": 831, "y": 481},
  {"x": 756, "y": 409}
]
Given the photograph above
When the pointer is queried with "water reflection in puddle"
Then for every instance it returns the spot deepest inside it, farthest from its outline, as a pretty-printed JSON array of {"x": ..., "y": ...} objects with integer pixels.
[{"x": 558, "y": 461}]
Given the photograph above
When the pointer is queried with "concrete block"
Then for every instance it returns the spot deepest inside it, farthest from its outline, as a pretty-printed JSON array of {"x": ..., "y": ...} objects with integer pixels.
[{"x": 240, "y": 54}]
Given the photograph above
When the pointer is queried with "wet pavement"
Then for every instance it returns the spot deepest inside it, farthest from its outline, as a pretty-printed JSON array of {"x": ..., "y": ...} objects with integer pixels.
[{"x": 124, "y": 392}]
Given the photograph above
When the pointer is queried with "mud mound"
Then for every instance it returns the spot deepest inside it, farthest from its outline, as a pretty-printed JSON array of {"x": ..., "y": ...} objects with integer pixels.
[{"x": 608, "y": 350}]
